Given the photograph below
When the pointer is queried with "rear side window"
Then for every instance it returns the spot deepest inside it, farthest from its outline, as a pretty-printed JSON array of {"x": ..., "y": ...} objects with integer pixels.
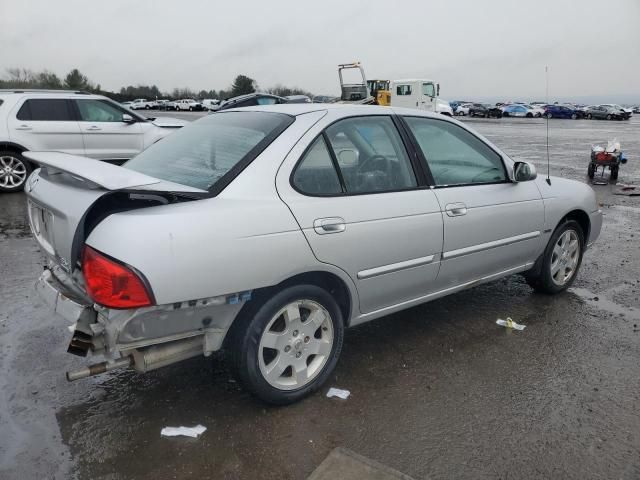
[
  {"x": 210, "y": 152},
  {"x": 45, "y": 109},
  {"x": 316, "y": 174},
  {"x": 369, "y": 157},
  {"x": 403, "y": 90}
]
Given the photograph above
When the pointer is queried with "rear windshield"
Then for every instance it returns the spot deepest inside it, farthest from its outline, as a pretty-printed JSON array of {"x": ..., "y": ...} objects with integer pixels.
[{"x": 209, "y": 153}]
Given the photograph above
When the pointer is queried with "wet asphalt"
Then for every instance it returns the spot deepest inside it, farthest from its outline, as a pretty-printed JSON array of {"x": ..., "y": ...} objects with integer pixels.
[{"x": 438, "y": 391}]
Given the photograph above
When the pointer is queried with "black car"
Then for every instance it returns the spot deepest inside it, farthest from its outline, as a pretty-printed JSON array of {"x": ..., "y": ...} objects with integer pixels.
[
  {"x": 484, "y": 110},
  {"x": 251, "y": 100}
]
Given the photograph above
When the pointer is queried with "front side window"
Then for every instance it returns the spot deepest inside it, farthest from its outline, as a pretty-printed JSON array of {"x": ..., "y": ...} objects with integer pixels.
[
  {"x": 454, "y": 155},
  {"x": 266, "y": 101},
  {"x": 403, "y": 90},
  {"x": 210, "y": 152},
  {"x": 43, "y": 109},
  {"x": 98, "y": 111},
  {"x": 428, "y": 90}
]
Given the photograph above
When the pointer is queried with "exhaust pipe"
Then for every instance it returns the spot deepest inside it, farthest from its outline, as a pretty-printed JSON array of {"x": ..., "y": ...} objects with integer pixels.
[
  {"x": 98, "y": 368},
  {"x": 146, "y": 360}
]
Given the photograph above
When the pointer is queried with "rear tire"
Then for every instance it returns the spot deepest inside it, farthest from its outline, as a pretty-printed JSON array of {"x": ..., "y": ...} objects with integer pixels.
[
  {"x": 529, "y": 115},
  {"x": 574, "y": 116},
  {"x": 14, "y": 171},
  {"x": 591, "y": 170},
  {"x": 561, "y": 260},
  {"x": 272, "y": 343},
  {"x": 609, "y": 116},
  {"x": 589, "y": 116}
]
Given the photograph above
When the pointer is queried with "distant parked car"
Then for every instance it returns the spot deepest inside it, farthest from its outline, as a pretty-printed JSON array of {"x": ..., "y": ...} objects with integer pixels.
[
  {"x": 484, "y": 110},
  {"x": 636, "y": 109},
  {"x": 210, "y": 104},
  {"x": 462, "y": 109},
  {"x": 70, "y": 122},
  {"x": 142, "y": 104},
  {"x": 251, "y": 100},
  {"x": 518, "y": 111},
  {"x": 126, "y": 104},
  {"x": 297, "y": 99},
  {"x": 167, "y": 105},
  {"x": 606, "y": 112},
  {"x": 443, "y": 107},
  {"x": 626, "y": 110},
  {"x": 561, "y": 111},
  {"x": 189, "y": 104},
  {"x": 324, "y": 99}
]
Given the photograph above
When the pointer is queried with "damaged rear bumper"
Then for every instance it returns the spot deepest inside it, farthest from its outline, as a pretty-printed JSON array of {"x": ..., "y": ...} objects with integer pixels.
[{"x": 145, "y": 338}]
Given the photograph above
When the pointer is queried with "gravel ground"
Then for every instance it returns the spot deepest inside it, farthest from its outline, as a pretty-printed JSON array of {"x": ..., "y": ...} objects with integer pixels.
[{"x": 438, "y": 391}]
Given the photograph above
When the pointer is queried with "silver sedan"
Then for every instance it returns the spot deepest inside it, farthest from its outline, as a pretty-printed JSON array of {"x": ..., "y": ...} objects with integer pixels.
[{"x": 267, "y": 231}]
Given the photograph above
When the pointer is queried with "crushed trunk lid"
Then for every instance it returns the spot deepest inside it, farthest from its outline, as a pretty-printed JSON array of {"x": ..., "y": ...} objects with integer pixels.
[{"x": 69, "y": 195}]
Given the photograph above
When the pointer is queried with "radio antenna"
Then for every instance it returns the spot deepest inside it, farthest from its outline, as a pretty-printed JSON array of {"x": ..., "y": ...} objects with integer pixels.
[{"x": 546, "y": 75}]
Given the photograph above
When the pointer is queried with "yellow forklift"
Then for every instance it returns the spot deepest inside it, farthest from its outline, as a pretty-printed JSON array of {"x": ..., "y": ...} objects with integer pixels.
[{"x": 379, "y": 89}]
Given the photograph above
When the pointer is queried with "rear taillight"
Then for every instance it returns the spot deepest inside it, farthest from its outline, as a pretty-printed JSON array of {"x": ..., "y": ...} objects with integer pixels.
[{"x": 112, "y": 284}]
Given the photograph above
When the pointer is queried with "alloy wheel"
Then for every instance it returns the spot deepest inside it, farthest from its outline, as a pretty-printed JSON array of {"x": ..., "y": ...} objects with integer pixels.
[
  {"x": 565, "y": 257},
  {"x": 13, "y": 172},
  {"x": 296, "y": 345}
]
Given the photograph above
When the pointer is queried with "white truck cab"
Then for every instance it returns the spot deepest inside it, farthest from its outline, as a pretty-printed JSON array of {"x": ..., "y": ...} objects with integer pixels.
[{"x": 420, "y": 93}]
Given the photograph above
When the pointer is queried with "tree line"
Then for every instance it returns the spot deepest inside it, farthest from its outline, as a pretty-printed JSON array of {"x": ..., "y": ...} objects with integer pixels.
[{"x": 75, "y": 80}]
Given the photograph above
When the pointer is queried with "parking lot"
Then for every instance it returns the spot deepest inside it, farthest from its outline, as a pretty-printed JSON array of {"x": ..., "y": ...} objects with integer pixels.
[{"x": 438, "y": 391}]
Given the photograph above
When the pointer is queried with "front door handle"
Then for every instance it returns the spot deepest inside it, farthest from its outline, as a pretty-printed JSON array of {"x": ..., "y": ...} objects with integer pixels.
[
  {"x": 24, "y": 127},
  {"x": 93, "y": 128},
  {"x": 322, "y": 226},
  {"x": 455, "y": 209}
]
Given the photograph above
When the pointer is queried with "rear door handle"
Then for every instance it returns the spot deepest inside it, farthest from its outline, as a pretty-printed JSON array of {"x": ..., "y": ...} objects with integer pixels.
[
  {"x": 24, "y": 127},
  {"x": 455, "y": 209},
  {"x": 322, "y": 226},
  {"x": 93, "y": 128}
]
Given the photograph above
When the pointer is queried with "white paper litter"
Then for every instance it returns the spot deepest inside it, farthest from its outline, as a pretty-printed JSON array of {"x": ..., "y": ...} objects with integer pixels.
[
  {"x": 336, "y": 392},
  {"x": 510, "y": 324},
  {"x": 192, "y": 432}
]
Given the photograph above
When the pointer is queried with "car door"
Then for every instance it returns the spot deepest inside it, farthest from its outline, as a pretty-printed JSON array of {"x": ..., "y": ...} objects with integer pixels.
[
  {"x": 428, "y": 96},
  {"x": 362, "y": 205},
  {"x": 491, "y": 225},
  {"x": 106, "y": 136},
  {"x": 403, "y": 96},
  {"x": 46, "y": 124}
]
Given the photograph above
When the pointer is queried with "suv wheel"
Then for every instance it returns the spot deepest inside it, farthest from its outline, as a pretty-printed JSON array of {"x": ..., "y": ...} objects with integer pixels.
[
  {"x": 560, "y": 261},
  {"x": 14, "y": 171},
  {"x": 286, "y": 347}
]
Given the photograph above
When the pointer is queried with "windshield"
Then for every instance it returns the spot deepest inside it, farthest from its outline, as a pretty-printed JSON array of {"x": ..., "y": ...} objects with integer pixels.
[{"x": 202, "y": 153}]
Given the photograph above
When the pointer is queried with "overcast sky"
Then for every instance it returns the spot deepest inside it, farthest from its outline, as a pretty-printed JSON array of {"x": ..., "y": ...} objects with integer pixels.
[{"x": 472, "y": 47}]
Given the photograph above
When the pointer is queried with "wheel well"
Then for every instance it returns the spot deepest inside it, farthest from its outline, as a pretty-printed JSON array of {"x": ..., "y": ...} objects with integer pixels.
[
  {"x": 325, "y": 280},
  {"x": 13, "y": 147},
  {"x": 583, "y": 220}
]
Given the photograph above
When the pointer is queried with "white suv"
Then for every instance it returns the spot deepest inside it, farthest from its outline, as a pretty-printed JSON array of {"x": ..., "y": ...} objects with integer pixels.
[
  {"x": 188, "y": 104},
  {"x": 70, "y": 122}
]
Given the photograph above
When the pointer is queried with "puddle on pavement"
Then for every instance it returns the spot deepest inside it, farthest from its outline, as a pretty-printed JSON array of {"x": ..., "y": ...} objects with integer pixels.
[{"x": 604, "y": 304}]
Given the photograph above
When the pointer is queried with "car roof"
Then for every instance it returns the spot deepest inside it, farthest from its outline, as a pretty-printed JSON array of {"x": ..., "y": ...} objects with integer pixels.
[{"x": 296, "y": 109}]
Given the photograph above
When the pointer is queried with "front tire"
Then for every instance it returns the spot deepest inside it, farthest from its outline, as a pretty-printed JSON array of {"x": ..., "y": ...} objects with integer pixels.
[
  {"x": 14, "y": 171},
  {"x": 561, "y": 260},
  {"x": 285, "y": 347},
  {"x": 609, "y": 117}
]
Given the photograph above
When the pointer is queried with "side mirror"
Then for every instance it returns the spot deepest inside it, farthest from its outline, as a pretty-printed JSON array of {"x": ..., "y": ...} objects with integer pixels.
[
  {"x": 524, "y": 172},
  {"x": 437, "y": 89},
  {"x": 126, "y": 118}
]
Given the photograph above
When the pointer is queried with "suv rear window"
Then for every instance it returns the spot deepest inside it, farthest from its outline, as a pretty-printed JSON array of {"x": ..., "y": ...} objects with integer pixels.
[
  {"x": 211, "y": 152},
  {"x": 45, "y": 109}
]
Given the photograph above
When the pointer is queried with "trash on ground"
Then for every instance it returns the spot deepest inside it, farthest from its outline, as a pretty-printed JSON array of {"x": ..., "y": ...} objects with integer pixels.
[
  {"x": 336, "y": 392},
  {"x": 508, "y": 323},
  {"x": 628, "y": 190},
  {"x": 192, "y": 432}
]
